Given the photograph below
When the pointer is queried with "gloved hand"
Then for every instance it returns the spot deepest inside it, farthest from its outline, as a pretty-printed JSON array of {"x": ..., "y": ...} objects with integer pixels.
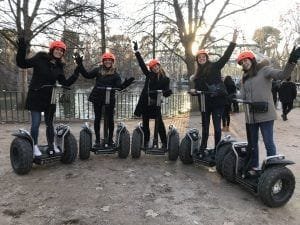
[
  {"x": 21, "y": 43},
  {"x": 127, "y": 82},
  {"x": 78, "y": 59},
  {"x": 135, "y": 46},
  {"x": 294, "y": 55},
  {"x": 167, "y": 93}
]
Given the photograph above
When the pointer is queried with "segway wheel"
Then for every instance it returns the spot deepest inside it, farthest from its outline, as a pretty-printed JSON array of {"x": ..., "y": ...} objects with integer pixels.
[
  {"x": 228, "y": 167},
  {"x": 185, "y": 151},
  {"x": 173, "y": 150},
  {"x": 70, "y": 149},
  {"x": 85, "y": 144},
  {"x": 21, "y": 156},
  {"x": 220, "y": 154},
  {"x": 124, "y": 145},
  {"x": 276, "y": 186},
  {"x": 136, "y": 144}
]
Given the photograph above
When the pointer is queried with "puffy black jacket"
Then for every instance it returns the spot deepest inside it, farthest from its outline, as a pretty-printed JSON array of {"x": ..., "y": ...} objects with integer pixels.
[
  {"x": 45, "y": 72},
  {"x": 209, "y": 74},
  {"x": 287, "y": 92},
  {"x": 104, "y": 78},
  {"x": 152, "y": 82}
]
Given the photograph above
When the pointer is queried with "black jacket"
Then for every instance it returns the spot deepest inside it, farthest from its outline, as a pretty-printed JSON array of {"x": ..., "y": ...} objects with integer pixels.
[
  {"x": 112, "y": 79},
  {"x": 209, "y": 74},
  {"x": 45, "y": 72},
  {"x": 287, "y": 92},
  {"x": 152, "y": 82}
]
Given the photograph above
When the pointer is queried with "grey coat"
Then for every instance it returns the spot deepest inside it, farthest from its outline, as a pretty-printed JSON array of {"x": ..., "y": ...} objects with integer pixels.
[{"x": 258, "y": 89}]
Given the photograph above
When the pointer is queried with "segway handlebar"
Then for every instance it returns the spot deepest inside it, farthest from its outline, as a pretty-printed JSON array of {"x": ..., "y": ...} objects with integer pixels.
[
  {"x": 109, "y": 88},
  {"x": 196, "y": 92},
  {"x": 242, "y": 101},
  {"x": 53, "y": 86}
]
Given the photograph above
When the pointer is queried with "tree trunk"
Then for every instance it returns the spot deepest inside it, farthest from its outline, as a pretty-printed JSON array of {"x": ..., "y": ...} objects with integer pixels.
[
  {"x": 103, "y": 42},
  {"x": 23, "y": 86}
]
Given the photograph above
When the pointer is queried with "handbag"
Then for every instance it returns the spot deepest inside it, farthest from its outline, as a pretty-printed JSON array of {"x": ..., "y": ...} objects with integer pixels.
[
  {"x": 259, "y": 107},
  {"x": 218, "y": 89}
]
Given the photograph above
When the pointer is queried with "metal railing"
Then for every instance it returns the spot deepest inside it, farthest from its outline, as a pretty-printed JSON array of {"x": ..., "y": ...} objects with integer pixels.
[{"x": 75, "y": 106}]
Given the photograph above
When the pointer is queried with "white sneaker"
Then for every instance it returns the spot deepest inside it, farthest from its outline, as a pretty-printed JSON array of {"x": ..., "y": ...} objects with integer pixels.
[
  {"x": 36, "y": 151},
  {"x": 56, "y": 149}
]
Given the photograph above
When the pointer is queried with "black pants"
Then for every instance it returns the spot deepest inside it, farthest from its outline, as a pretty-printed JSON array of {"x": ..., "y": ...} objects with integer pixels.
[
  {"x": 36, "y": 121},
  {"x": 160, "y": 127},
  {"x": 226, "y": 115},
  {"x": 287, "y": 107},
  {"x": 109, "y": 116},
  {"x": 216, "y": 114}
]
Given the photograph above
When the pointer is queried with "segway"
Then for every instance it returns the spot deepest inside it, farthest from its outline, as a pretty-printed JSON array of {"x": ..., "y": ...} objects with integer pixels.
[
  {"x": 21, "y": 148},
  {"x": 189, "y": 149},
  {"x": 274, "y": 183},
  {"x": 122, "y": 137},
  {"x": 137, "y": 143}
]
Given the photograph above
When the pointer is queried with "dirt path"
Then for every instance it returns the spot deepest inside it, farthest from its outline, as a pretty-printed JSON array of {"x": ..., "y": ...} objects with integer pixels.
[{"x": 150, "y": 190}]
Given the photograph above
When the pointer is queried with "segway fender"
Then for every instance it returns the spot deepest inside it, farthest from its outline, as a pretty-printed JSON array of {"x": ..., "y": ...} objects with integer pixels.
[
  {"x": 22, "y": 133},
  {"x": 120, "y": 128},
  {"x": 195, "y": 138},
  {"x": 172, "y": 131},
  {"x": 277, "y": 160},
  {"x": 87, "y": 127},
  {"x": 62, "y": 130},
  {"x": 227, "y": 139}
]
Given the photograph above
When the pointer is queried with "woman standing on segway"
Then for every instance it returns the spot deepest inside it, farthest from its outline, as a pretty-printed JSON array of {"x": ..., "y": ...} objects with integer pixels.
[
  {"x": 208, "y": 78},
  {"x": 106, "y": 76},
  {"x": 256, "y": 88},
  {"x": 156, "y": 79},
  {"x": 48, "y": 68}
]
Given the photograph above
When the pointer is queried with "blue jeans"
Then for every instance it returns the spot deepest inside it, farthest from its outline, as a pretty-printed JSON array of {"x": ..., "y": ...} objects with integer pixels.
[
  {"x": 266, "y": 129},
  {"x": 216, "y": 114}
]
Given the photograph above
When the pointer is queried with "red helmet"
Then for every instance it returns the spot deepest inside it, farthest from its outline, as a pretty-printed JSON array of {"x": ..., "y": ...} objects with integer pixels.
[
  {"x": 201, "y": 51},
  {"x": 245, "y": 55},
  {"x": 57, "y": 44},
  {"x": 108, "y": 55},
  {"x": 153, "y": 62}
]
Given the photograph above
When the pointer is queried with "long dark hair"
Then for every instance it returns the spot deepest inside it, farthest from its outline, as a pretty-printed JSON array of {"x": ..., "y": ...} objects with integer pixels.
[
  {"x": 250, "y": 73},
  {"x": 202, "y": 70}
]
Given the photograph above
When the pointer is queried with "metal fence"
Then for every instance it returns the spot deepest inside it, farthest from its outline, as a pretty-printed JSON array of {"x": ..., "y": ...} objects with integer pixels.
[{"x": 75, "y": 106}]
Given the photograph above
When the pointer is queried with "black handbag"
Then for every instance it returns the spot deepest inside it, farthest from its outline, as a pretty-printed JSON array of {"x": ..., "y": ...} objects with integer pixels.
[
  {"x": 259, "y": 107},
  {"x": 218, "y": 89}
]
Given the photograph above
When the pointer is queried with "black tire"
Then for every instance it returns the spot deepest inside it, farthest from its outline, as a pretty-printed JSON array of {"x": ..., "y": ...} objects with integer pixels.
[
  {"x": 220, "y": 154},
  {"x": 173, "y": 150},
  {"x": 85, "y": 144},
  {"x": 21, "y": 156},
  {"x": 185, "y": 151},
  {"x": 70, "y": 149},
  {"x": 124, "y": 147},
  {"x": 228, "y": 167},
  {"x": 136, "y": 144},
  {"x": 281, "y": 177}
]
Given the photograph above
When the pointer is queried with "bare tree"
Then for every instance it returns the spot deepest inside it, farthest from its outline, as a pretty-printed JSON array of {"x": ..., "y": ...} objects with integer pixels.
[{"x": 191, "y": 20}]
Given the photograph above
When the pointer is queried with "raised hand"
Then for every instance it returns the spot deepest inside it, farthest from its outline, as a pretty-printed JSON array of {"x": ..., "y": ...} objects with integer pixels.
[
  {"x": 78, "y": 58},
  {"x": 235, "y": 35},
  {"x": 135, "y": 46}
]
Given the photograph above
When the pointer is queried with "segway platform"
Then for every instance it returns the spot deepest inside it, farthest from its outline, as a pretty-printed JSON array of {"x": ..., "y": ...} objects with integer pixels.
[{"x": 46, "y": 158}]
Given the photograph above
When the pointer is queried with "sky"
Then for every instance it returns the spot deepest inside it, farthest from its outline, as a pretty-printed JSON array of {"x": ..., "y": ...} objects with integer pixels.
[{"x": 265, "y": 14}]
